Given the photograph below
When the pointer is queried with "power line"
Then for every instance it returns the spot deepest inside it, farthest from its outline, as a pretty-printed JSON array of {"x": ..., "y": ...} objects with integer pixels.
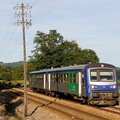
[
  {"x": 44, "y": 7},
  {"x": 48, "y": 9},
  {"x": 8, "y": 38},
  {"x": 11, "y": 52},
  {"x": 35, "y": 3},
  {"x": 41, "y": 8},
  {"x": 8, "y": 42}
]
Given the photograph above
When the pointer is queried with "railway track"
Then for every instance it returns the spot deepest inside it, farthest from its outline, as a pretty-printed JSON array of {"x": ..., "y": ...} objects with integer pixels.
[
  {"x": 69, "y": 112},
  {"x": 115, "y": 110},
  {"x": 69, "y": 109}
]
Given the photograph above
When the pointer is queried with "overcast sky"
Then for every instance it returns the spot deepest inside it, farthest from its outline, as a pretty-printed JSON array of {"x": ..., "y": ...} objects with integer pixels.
[{"x": 94, "y": 24}]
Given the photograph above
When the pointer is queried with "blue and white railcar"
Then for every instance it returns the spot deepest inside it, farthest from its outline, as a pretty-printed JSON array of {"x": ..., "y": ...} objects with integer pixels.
[
  {"x": 92, "y": 83},
  {"x": 101, "y": 84}
]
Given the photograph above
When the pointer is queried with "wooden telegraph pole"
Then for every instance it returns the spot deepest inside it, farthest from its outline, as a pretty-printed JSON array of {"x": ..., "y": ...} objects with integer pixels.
[{"x": 22, "y": 14}]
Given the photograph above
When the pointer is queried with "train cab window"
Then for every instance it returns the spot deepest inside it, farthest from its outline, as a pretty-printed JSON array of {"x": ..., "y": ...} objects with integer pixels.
[
  {"x": 82, "y": 77},
  {"x": 93, "y": 76},
  {"x": 102, "y": 75},
  {"x": 106, "y": 76}
]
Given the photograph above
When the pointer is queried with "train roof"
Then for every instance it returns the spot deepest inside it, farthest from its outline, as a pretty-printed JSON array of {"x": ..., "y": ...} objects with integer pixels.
[
  {"x": 69, "y": 68},
  {"x": 73, "y": 68}
]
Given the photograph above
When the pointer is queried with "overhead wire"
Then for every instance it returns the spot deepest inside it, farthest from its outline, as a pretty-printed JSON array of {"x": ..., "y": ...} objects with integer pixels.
[
  {"x": 46, "y": 10},
  {"x": 40, "y": 7},
  {"x": 8, "y": 43},
  {"x": 8, "y": 38},
  {"x": 5, "y": 37},
  {"x": 35, "y": 3},
  {"x": 39, "y": 12},
  {"x": 15, "y": 47},
  {"x": 43, "y": 8}
]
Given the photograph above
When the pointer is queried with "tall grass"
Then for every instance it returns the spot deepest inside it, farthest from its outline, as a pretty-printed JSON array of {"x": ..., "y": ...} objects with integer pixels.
[{"x": 13, "y": 82}]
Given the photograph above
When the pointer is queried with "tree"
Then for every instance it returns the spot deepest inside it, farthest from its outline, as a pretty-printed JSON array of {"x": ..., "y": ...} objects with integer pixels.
[
  {"x": 6, "y": 76},
  {"x": 17, "y": 73},
  {"x": 118, "y": 73},
  {"x": 88, "y": 56},
  {"x": 5, "y": 73},
  {"x": 51, "y": 50}
]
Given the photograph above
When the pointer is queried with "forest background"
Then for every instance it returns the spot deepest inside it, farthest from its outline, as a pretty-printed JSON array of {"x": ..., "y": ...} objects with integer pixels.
[{"x": 50, "y": 50}]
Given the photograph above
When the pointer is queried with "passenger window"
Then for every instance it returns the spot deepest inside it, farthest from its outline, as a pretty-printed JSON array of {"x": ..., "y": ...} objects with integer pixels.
[
  {"x": 82, "y": 77},
  {"x": 33, "y": 77},
  {"x": 72, "y": 77}
]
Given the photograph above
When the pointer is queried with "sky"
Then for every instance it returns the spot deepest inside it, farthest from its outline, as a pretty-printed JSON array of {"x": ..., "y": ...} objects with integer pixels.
[{"x": 94, "y": 24}]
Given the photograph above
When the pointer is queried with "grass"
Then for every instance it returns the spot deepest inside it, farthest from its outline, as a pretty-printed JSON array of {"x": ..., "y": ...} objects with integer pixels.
[
  {"x": 15, "y": 118},
  {"x": 19, "y": 83}
]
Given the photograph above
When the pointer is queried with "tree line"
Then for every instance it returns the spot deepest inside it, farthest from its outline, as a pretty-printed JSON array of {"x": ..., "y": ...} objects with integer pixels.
[
  {"x": 16, "y": 73},
  {"x": 51, "y": 50}
]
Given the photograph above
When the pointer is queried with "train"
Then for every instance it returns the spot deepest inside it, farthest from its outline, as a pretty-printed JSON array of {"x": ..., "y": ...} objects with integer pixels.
[{"x": 95, "y": 83}]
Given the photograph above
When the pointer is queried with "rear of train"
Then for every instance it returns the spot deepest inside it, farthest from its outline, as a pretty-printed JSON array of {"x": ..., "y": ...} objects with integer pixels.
[{"x": 101, "y": 84}]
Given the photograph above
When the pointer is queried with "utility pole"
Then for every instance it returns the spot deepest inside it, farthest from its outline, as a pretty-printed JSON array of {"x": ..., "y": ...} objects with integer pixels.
[{"x": 25, "y": 23}]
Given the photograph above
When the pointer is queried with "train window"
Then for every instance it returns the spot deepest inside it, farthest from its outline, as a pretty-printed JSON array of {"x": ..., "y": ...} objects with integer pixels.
[
  {"x": 54, "y": 77},
  {"x": 33, "y": 77},
  {"x": 106, "y": 76},
  {"x": 62, "y": 77},
  {"x": 93, "y": 76},
  {"x": 82, "y": 77},
  {"x": 72, "y": 78},
  {"x": 102, "y": 75},
  {"x": 40, "y": 77},
  {"x": 65, "y": 79}
]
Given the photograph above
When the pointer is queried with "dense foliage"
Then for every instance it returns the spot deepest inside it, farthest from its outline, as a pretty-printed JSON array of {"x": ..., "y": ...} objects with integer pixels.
[
  {"x": 118, "y": 71},
  {"x": 16, "y": 73},
  {"x": 51, "y": 50}
]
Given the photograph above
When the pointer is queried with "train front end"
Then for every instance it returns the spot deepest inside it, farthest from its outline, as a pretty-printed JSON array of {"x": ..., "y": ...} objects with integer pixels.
[{"x": 102, "y": 84}]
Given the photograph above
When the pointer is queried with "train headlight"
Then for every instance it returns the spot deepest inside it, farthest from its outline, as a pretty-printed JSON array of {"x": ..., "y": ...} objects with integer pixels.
[
  {"x": 94, "y": 86},
  {"x": 113, "y": 86}
]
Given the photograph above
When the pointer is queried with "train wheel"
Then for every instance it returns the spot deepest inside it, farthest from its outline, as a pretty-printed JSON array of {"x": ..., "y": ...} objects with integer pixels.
[
  {"x": 52, "y": 94},
  {"x": 34, "y": 90},
  {"x": 84, "y": 101}
]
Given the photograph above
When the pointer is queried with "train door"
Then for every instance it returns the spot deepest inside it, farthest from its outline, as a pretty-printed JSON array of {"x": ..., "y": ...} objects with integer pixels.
[
  {"x": 44, "y": 81},
  {"x": 83, "y": 93},
  {"x": 79, "y": 83},
  {"x": 47, "y": 82}
]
